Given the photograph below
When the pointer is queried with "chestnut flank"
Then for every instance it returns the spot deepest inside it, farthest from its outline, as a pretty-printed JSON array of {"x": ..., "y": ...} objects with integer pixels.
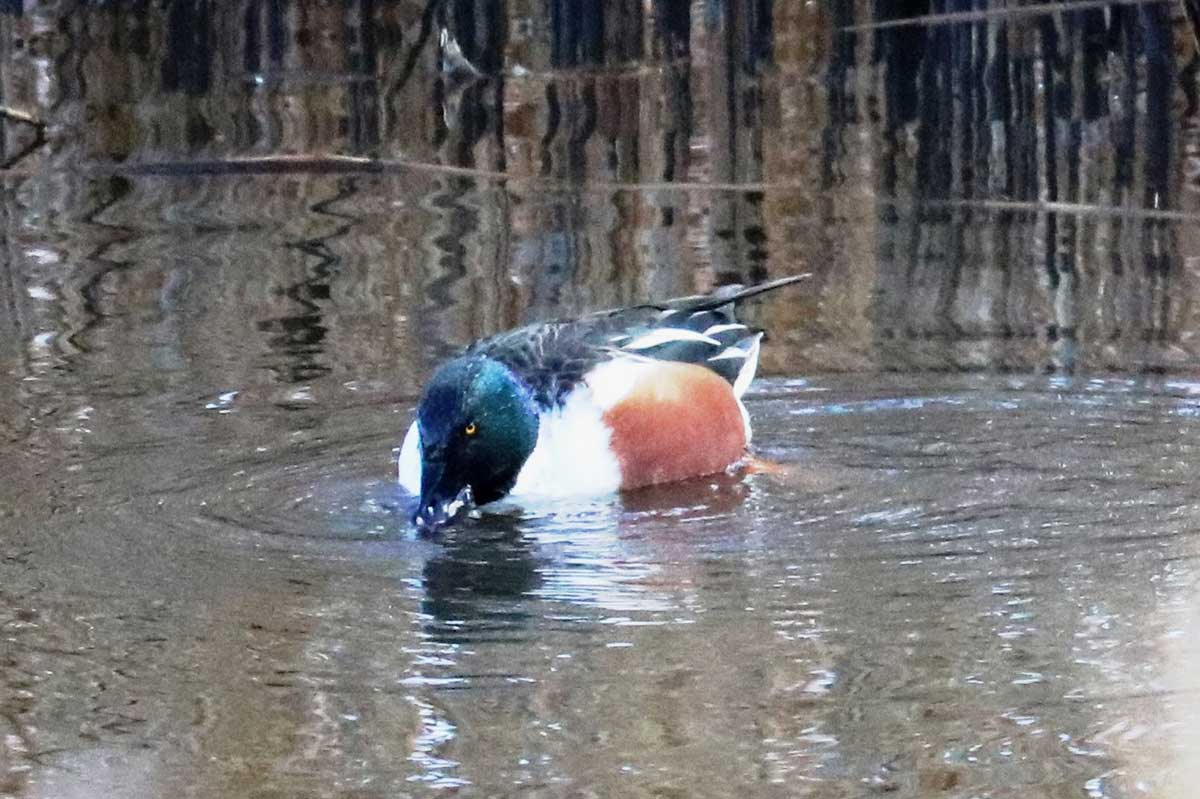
[{"x": 678, "y": 421}]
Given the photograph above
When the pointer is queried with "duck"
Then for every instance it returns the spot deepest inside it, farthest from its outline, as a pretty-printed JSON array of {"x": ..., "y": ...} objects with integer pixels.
[{"x": 612, "y": 401}]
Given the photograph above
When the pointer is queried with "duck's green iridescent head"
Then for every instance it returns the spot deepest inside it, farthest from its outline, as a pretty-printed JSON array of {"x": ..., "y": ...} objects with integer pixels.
[{"x": 477, "y": 426}]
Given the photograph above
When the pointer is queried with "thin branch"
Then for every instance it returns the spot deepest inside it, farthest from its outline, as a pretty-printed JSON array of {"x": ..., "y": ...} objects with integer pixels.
[
  {"x": 349, "y": 165},
  {"x": 18, "y": 115},
  {"x": 952, "y": 17}
]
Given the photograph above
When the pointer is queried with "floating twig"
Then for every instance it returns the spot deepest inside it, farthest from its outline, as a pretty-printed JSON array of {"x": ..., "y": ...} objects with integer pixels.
[{"x": 21, "y": 116}]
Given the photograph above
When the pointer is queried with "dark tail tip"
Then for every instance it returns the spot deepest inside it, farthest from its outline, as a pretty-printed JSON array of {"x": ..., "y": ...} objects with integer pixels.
[{"x": 737, "y": 293}]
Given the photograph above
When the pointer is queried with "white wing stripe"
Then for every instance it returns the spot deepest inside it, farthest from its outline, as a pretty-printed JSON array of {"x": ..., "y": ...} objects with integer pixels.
[
  {"x": 746, "y": 375},
  {"x": 730, "y": 352},
  {"x": 666, "y": 335},
  {"x": 715, "y": 329}
]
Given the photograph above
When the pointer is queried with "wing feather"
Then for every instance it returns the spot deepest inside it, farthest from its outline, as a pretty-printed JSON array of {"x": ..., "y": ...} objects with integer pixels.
[{"x": 553, "y": 357}]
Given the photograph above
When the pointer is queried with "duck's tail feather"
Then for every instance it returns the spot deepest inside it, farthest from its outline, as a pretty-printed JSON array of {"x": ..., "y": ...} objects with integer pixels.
[{"x": 729, "y": 295}]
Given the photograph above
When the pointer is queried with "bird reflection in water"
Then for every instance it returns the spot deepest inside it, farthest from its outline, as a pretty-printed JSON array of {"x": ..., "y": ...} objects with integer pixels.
[
  {"x": 476, "y": 584},
  {"x": 491, "y": 573}
]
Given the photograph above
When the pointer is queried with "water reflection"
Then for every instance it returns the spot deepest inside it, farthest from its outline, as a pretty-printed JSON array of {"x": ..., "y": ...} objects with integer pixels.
[
  {"x": 974, "y": 185},
  {"x": 475, "y": 586}
]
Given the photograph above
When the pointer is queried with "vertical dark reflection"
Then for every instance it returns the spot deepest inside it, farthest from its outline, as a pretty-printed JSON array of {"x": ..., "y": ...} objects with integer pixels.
[
  {"x": 672, "y": 46},
  {"x": 1049, "y": 107},
  {"x": 299, "y": 338},
  {"x": 1191, "y": 70},
  {"x": 841, "y": 100},
  {"x": 578, "y": 49},
  {"x": 363, "y": 65},
  {"x": 996, "y": 164},
  {"x": 187, "y": 58},
  {"x": 757, "y": 41},
  {"x": 1154, "y": 30},
  {"x": 451, "y": 303},
  {"x": 929, "y": 246},
  {"x": 473, "y": 99},
  {"x": 109, "y": 193},
  {"x": 14, "y": 313},
  {"x": 934, "y": 125},
  {"x": 277, "y": 30},
  {"x": 899, "y": 53},
  {"x": 1154, "y": 26},
  {"x": 673, "y": 21},
  {"x": 1059, "y": 148},
  {"x": 739, "y": 41},
  {"x": 476, "y": 585},
  {"x": 251, "y": 38}
]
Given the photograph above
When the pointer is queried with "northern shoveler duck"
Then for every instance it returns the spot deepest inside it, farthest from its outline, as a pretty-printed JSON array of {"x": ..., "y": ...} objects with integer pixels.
[{"x": 616, "y": 400}]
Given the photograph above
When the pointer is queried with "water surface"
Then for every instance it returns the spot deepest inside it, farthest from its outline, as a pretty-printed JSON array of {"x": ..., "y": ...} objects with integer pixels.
[{"x": 975, "y": 584}]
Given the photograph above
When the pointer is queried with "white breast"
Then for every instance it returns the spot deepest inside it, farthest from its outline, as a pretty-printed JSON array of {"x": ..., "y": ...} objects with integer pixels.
[
  {"x": 573, "y": 456},
  {"x": 409, "y": 462}
]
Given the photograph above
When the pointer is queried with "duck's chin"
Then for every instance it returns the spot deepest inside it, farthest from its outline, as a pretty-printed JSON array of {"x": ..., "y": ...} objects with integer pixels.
[{"x": 433, "y": 514}]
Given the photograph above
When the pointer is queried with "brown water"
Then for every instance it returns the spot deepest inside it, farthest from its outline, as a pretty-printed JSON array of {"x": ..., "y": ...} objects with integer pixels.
[
  {"x": 232, "y": 245},
  {"x": 963, "y": 585}
]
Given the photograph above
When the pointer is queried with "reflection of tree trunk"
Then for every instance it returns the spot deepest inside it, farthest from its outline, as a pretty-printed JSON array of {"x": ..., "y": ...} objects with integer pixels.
[
  {"x": 1060, "y": 153},
  {"x": 472, "y": 106},
  {"x": 448, "y": 245},
  {"x": 1160, "y": 251},
  {"x": 1066, "y": 106},
  {"x": 899, "y": 53},
  {"x": 732, "y": 44},
  {"x": 998, "y": 252},
  {"x": 1017, "y": 109},
  {"x": 364, "y": 92},
  {"x": 299, "y": 337},
  {"x": 16, "y": 322},
  {"x": 659, "y": 263},
  {"x": 30, "y": 91}
]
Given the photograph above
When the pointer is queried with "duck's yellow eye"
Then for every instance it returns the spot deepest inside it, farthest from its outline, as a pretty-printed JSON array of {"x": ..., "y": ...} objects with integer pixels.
[{"x": 470, "y": 429}]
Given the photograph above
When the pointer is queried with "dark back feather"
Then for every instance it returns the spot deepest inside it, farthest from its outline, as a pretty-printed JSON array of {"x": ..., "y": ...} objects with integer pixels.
[{"x": 552, "y": 357}]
